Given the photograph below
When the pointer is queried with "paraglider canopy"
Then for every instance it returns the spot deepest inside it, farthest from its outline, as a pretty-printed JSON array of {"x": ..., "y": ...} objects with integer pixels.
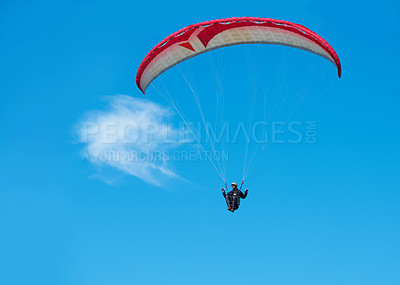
[{"x": 203, "y": 37}]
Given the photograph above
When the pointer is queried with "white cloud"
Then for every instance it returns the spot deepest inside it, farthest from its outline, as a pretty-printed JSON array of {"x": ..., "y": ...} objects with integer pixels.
[{"x": 132, "y": 135}]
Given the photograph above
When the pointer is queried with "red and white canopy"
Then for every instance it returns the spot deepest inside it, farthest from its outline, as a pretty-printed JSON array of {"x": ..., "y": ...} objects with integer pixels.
[{"x": 203, "y": 37}]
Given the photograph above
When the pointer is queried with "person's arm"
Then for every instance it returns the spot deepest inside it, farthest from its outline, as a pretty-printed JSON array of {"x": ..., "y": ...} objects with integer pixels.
[
  {"x": 223, "y": 192},
  {"x": 245, "y": 194}
]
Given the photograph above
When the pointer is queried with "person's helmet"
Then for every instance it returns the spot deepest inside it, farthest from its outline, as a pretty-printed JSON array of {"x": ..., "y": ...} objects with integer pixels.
[{"x": 234, "y": 183}]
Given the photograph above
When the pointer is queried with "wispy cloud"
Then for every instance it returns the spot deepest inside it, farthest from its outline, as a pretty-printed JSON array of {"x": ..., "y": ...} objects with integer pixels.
[{"x": 131, "y": 135}]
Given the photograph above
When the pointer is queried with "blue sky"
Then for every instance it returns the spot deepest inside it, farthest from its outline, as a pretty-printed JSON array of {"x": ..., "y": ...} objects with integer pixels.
[{"x": 323, "y": 213}]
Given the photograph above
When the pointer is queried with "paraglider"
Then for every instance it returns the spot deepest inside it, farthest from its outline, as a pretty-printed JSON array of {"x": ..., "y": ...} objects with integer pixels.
[
  {"x": 233, "y": 197},
  {"x": 203, "y": 37}
]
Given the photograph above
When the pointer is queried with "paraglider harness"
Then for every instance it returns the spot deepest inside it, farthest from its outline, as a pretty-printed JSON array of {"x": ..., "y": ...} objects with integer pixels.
[{"x": 232, "y": 198}]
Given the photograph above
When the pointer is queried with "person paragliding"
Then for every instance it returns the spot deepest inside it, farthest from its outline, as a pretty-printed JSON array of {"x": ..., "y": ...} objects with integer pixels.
[
  {"x": 233, "y": 197},
  {"x": 203, "y": 37}
]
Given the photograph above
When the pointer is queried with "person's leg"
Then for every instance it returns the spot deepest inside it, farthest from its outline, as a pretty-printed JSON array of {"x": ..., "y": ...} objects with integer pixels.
[
  {"x": 231, "y": 205},
  {"x": 228, "y": 203},
  {"x": 235, "y": 205}
]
